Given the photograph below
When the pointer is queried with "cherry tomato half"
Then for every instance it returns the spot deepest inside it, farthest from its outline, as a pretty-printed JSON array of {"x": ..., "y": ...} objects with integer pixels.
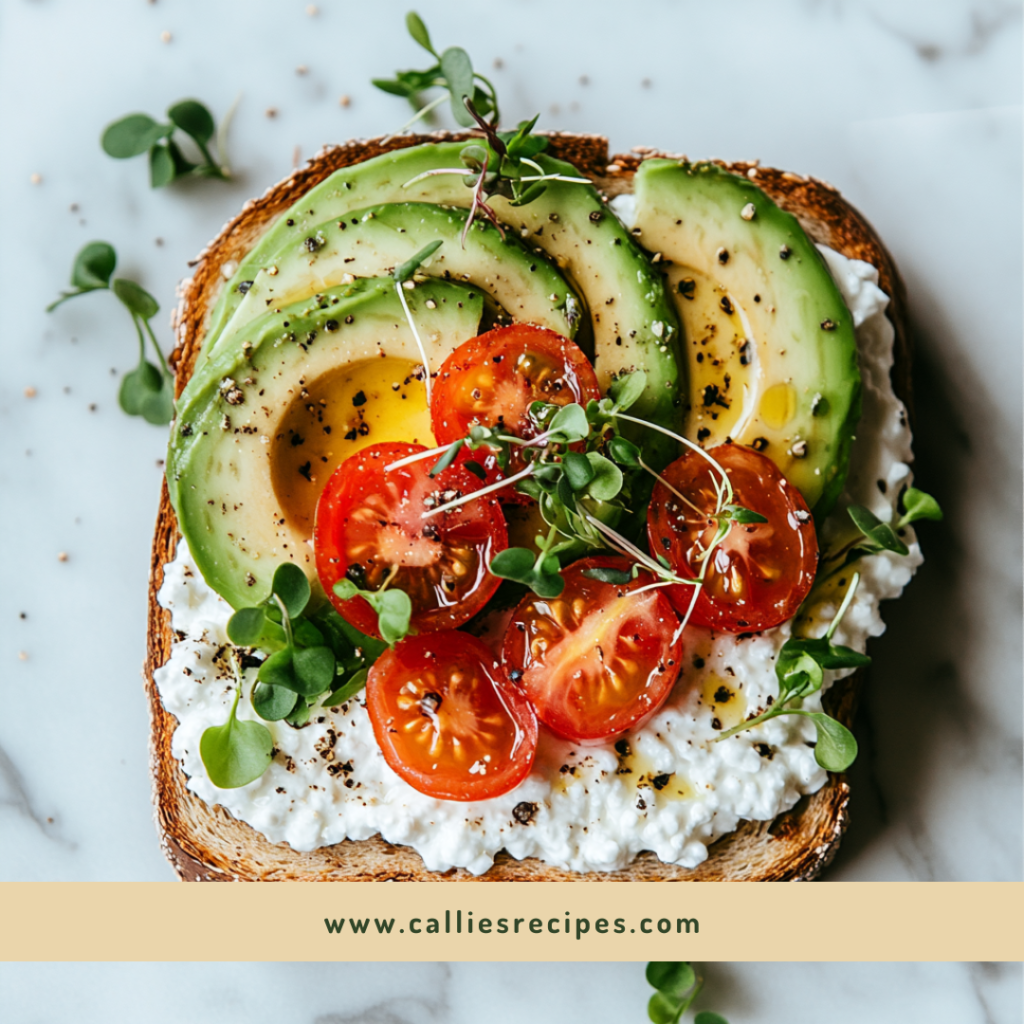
[
  {"x": 492, "y": 380},
  {"x": 760, "y": 572},
  {"x": 447, "y": 719},
  {"x": 597, "y": 660},
  {"x": 370, "y": 529}
]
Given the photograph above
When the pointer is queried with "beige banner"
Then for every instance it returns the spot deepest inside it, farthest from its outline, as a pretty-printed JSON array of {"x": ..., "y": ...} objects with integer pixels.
[{"x": 509, "y": 921}]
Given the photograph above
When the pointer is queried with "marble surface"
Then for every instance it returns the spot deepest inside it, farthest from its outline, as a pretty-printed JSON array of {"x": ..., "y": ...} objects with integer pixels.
[
  {"x": 326, "y": 993},
  {"x": 911, "y": 108}
]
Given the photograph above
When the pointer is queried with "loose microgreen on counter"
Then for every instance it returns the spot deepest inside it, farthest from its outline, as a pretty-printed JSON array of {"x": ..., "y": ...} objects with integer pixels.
[
  {"x": 135, "y": 134},
  {"x": 676, "y": 986},
  {"x": 148, "y": 390}
]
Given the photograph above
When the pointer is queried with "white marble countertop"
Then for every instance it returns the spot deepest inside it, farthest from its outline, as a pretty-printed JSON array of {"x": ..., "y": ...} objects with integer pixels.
[
  {"x": 340, "y": 993},
  {"x": 912, "y": 109}
]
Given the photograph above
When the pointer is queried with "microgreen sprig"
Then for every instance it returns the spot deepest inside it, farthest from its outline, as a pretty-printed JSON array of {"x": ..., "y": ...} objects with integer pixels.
[
  {"x": 135, "y": 134},
  {"x": 453, "y": 71},
  {"x": 308, "y": 657},
  {"x": 393, "y": 608},
  {"x": 504, "y": 164},
  {"x": 676, "y": 986},
  {"x": 148, "y": 390},
  {"x": 236, "y": 753},
  {"x": 800, "y": 669}
]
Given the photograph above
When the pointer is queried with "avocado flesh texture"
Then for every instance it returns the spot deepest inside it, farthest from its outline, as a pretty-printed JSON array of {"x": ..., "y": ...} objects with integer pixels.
[
  {"x": 635, "y": 324},
  {"x": 372, "y": 242},
  {"x": 221, "y": 471},
  {"x": 769, "y": 342}
]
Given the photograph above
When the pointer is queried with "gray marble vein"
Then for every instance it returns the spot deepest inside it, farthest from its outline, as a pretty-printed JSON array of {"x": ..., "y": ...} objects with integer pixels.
[{"x": 422, "y": 993}]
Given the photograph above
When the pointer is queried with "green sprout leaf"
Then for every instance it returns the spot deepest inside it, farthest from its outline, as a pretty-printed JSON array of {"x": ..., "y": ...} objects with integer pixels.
[
  {"x": 836, "y": 748},
  {"x": 578, "y": 470},
  {"x": 300, "y": 715},
  {"x": 918, "y": 505},
  {"x": 291, "y": 585},
  {"x": 880, "y": 536},
  {"x": 626, "y": 391},
  {"x": 193, "y": 119},
  {"x": 314, "y": 669},
  {"x": 450, "y": 455},
  {"x": 161, "y": 166},
  {"x": 709, "y": 1017},
  {"x": 272, "y": 703},
  {"x": 405, "y": 270},
  {"x": 236, "y": 753},
  {"x": 569, "y": 424},
  {"x": 672, "y": 978},
  {"x": 355, "y": 683},
  {"x": 138, "y": 386},
  {"x": 393, "y": 608},
  {"x": 664, "y": 1009},
  {"x": 132, "y": 136},
  {"x": 457, "y": 69},
  {"x": 739, "y": 514},
  {"x": 607, "y": 480},
  {"x": 414, "y": 23},
  {"x": 277, "y": 670},
  {"x": 521, "y": 566},
  {"x": 93, "y": 266},
  {"x": 135, "y": 298},
  {"x": 624, "y": 452},
  {"x": 245, "y": 627}
]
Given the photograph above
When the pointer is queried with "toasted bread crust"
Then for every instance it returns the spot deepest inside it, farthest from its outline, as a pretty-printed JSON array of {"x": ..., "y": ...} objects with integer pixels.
[{"x": 206, "y": 843}]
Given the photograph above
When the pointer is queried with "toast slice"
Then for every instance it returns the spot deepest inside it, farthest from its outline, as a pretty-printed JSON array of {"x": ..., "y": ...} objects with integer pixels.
[{"x": 205, "y": 843}]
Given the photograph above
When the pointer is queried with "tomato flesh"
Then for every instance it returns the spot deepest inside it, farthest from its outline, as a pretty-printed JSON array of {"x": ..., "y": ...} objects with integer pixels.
[
  {"x": 598, "y": 659},
  {"x": 448, "y": 720},
  {"x": 492, "y": 380},
  {"x": 370, "y": 529},
  {"x": 759, "y": 573}
]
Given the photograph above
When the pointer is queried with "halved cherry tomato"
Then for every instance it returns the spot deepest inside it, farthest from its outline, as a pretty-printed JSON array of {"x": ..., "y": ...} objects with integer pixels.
[
  {"x": 447, "y": 719},
  {"x": 492, "y": 380},
  {"x": 760, "y": 572},
  {"x": 370, "y": 529},
  {"x": 597, "y": 660}
]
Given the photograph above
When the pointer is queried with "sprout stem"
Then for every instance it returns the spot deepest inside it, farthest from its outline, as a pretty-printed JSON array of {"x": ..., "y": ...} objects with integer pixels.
[
  {"x": 419, "y": 340},
  {"x": 689, "y": 444},
  {"x": 522, "y": 475},
  {"x": 424, "y": 112}
]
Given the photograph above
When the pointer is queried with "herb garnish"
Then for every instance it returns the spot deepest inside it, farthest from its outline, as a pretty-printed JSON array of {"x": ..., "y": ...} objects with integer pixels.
[
  {"x": 136, "y": 134},
  {"x": 148, "y": 390},
  {"x": 309, "y": 657},
  {"x": 236, "y": 753},
  {"x": 800, "y": 670},
  {"x": 583, "y": 495},
  {"x": 393, "y": 607},
  {"x": 677, "y": 985},
  {"x": 503, "y": 165}
]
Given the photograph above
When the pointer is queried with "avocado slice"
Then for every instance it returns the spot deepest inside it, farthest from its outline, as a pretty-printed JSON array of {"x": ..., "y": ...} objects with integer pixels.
[
  {"x": 634, "y": 321},
  {"x": 254, "y": 445},
  {"x": 372, "y": 242},
  {"x": 769, "y": 342}
]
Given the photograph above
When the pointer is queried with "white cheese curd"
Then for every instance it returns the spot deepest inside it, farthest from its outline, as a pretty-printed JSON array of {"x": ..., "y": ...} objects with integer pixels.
[{"x": 666, "y": 787}]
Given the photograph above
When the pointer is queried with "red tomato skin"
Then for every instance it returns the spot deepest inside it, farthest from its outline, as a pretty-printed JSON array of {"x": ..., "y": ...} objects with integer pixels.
[
  {"x": 788, "y": 537},
  {"x": 479, "y": 525},
  {"x": 497, "y": 351},
  {"x": 653, "y": 629},
  {"x": 399, "y": 667}
]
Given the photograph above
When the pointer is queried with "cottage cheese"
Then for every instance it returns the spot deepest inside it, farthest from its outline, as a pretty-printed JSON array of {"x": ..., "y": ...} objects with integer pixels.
[{"x": 667, "y": 787}]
